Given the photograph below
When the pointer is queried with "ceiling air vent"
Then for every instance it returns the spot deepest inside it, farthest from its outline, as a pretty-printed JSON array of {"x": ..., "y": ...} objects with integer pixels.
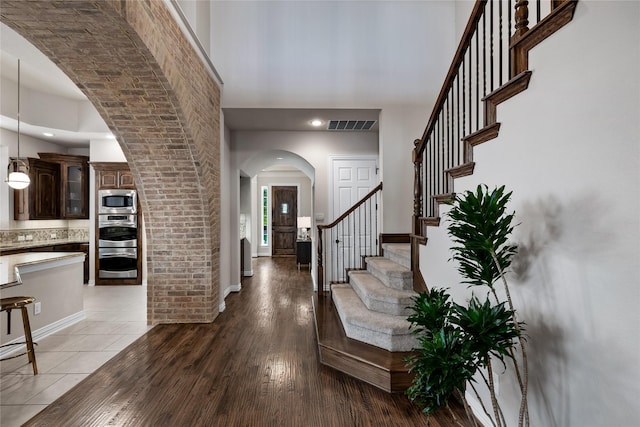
[{"x": 351, "y": 124}]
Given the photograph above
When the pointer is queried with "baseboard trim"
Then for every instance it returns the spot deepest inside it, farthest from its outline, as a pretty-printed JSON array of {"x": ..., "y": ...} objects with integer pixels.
[
  {"x": 44, "y": 332},
  {"x": 227, "y": 291},
  {"x": 247, "y": 273}
]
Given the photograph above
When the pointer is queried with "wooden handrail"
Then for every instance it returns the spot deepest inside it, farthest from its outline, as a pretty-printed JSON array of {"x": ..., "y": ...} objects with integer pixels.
[
  {"x": 464, "y": 114},
  {"x": 352, "y": 208},
  {"x": 357, "y": 253},
  {"x": 467, "y": 36}
]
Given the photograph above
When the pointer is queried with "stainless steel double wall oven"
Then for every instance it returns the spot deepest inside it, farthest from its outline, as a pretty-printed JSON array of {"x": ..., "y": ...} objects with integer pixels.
[{"x": 118, "y": 234}]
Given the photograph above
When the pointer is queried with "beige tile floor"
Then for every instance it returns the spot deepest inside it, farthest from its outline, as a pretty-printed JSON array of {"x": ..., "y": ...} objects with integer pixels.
[{"x": 115, "y": 317}]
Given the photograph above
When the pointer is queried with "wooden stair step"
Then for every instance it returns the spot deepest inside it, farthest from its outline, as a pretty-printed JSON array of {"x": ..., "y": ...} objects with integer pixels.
[
  {"x": 383, "y": 330},
  {"x": 390, "y": 273},
  {"x": 378, "y": 367},
  {"x": 378, "y": 297}
]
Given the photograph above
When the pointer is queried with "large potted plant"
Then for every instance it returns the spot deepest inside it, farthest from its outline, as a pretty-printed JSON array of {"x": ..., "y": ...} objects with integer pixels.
[{"x": 457, "y": 342}]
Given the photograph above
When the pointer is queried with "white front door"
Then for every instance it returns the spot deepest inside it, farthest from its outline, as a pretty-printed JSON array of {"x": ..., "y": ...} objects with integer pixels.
[{"x": 352, "y": 179}]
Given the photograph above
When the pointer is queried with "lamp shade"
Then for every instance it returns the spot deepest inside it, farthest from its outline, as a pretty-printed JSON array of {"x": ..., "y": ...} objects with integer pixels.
[
  {"x": 18, "y": 180},
  {"x": 304, "y": 222}
]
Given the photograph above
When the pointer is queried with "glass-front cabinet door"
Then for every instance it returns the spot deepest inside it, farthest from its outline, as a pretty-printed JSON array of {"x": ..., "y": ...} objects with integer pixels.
[
  {"x": 73, "y": 184},
  {"x": 75, "y": 200}
]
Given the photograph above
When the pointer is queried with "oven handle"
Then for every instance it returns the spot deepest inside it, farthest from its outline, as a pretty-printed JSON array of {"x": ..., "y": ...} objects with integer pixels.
[
  {"x": 116, "y": 255},
  {"x": 127, "y": 224}
]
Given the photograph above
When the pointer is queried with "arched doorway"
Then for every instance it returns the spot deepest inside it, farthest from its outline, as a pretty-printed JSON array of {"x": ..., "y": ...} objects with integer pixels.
[{"x": 133, "y": 63}]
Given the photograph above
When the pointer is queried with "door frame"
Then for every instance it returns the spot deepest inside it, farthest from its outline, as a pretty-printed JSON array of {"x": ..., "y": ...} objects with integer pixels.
[
  {"x": 331, "y": 179},
  {"x": 269, "y": 248},
  {"x": 297, "y": 203}
]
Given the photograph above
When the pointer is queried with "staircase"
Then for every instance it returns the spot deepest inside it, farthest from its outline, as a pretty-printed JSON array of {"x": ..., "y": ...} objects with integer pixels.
[
  {"x": 362, "y": 325},
  {"x": 373, "y": 307}
]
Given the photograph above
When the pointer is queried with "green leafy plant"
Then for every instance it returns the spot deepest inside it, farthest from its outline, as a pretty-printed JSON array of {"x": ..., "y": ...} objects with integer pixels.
[{"x": 456, "y": 342}]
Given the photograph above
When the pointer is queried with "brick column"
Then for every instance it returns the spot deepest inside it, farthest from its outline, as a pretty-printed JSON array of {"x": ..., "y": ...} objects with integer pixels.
[{"x": 132, "y": 61}]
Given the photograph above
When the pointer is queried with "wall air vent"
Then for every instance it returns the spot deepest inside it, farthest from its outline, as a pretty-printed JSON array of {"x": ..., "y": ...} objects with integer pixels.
[{"x": 360, "y": 125}]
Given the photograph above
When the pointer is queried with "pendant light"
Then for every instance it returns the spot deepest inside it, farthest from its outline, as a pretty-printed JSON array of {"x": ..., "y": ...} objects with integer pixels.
[{"x": 16, "y": 177}]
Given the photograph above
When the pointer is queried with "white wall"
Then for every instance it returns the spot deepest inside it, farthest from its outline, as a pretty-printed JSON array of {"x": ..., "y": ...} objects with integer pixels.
[
  {"x": 569, "y": 150},
  {"x": 314, "y": 147},
  {"x": 399, "y": 127},
  {"x": 229, "y": 219}
]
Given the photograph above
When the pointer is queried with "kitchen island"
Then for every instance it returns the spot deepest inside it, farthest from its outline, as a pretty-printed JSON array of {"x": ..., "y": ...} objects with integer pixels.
[{"x": 55, "y": 280}]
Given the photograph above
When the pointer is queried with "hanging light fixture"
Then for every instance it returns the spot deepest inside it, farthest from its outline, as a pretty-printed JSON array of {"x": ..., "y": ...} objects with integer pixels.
[{"x": 16, "y": 176}]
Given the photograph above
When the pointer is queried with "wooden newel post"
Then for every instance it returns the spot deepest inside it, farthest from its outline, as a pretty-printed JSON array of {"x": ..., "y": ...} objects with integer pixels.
[
  {"x": 320, "y": 275},
  {"x": 417, "y": 188},
  {"x": 519, "y": 55},
  {"x": 521, "y": 18}
]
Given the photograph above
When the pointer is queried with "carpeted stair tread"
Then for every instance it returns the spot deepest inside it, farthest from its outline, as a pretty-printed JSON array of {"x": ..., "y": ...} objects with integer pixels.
[
  {"x": 390, "y": 273},
  {"x": 398, "y": 252},
  {"x": 379, "y": 329},
  {"x": 378, "y": 297}
]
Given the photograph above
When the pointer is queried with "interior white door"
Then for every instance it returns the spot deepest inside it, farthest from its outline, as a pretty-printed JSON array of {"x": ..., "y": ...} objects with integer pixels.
[{"x": 352, "y": 179}]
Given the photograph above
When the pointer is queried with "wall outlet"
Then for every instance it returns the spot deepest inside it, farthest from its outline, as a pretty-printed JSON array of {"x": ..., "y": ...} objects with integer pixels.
[
  {"x": 53, "y": 235},
  {"x": 20, "y": 238},
  {"x": 37, "y": 308},
  {"x": 29, "y": 237}
]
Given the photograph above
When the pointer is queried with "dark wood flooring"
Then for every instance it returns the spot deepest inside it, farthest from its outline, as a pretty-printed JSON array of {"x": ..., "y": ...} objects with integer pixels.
[{"x": 256, "y": 365}]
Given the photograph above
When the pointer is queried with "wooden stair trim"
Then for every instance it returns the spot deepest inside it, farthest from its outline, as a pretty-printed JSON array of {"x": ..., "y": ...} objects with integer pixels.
[
  {"x": 485, "y": 134},
  {"x": 431, "y": 221},
  {"x": 378, "y": 367},
  {"x": 444, "y": 198},
  {"x": 508, "y": 90},
  {"x": 560, "y": 16},
  {"x": 464, "y": 169}
]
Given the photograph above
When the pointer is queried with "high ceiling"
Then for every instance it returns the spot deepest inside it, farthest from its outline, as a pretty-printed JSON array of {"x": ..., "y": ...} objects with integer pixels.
[{"x": 284, "y": 63}]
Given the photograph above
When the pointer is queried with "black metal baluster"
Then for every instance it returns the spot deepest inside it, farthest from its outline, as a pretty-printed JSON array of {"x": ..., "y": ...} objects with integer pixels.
[
  {"x": 477, "y": 100},
  {"x": 443, "y": 158},
  {"x": 509, "y": 26},
  {"x": 353, "y": 241},
  {"x": 500, "y": 41},
  {"x": 470, "y": 91},
  {"x": 484, "y": 55},
  {"x": 458, "y": 136},
  {"x": 448, "y": 164},
  {"x": 491, "y": 45},
  {"x": 464, "y": 94}
]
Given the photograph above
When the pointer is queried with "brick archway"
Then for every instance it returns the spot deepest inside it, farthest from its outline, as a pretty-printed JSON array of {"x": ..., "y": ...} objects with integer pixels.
[{"x": 131, "y": 60}]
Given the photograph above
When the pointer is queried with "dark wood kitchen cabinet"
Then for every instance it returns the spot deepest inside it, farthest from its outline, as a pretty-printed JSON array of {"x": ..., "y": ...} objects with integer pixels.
[
  {"x": 113, "y": 175},
  {"x": 74, "y": 184},
  {"x": 59, "y": 188},
  {"x": 41, "y": 199}
]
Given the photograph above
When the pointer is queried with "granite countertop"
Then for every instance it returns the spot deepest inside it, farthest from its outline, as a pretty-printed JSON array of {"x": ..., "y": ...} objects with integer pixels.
[
  {"x": 31, "y": 244},
  {"x": 9, "y": 264}
]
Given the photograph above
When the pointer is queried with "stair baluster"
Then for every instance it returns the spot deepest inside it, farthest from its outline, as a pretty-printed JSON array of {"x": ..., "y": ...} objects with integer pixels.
[
  {"x": 350, "y": 238},
  {"x": 464, "y": 114}
]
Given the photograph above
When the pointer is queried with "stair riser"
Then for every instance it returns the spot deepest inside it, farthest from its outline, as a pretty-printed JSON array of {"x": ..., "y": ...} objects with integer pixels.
[
  {"x": 380, "y": 339},
  {"x": 399, "y": 259},
  {"x": 393, "y": 280},
  {"x": 399, "y": 253},
  {"x": 388, "y": 337},
  {"x": 396, "y": 308}
]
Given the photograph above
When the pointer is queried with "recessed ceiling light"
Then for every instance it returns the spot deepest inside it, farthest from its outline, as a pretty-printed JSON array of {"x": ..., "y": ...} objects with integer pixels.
[
  {"x": 316, "y": 122},
  {"x": 279, "y": 158},
  {"x": 47, "y": 134}
]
